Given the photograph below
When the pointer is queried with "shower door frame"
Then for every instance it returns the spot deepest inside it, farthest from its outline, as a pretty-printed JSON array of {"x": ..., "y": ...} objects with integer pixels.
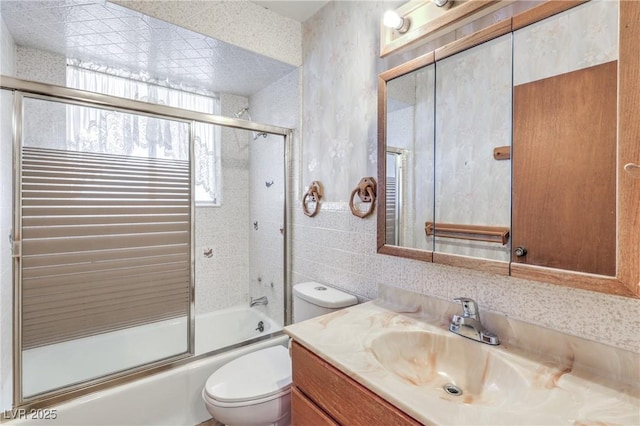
[{"x": 25, "y": 88}]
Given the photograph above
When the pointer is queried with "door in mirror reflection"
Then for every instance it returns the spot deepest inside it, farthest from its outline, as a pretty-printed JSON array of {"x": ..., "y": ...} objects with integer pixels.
[
  {"x": 472, "y": 120},
  {"x": 409, "y": 165},
  {"x": 565, "y": 138}
]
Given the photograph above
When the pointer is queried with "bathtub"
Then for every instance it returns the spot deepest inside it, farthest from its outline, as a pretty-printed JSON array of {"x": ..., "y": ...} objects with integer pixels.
[
  {"x": 227, "y": 327},
  {"x": 171, "y": 397}
]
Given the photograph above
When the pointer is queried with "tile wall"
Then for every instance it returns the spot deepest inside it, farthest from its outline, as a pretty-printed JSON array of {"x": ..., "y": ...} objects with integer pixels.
[
  {"x": 277, "y": 104},
  {"x": 7, "y": 67},
  {"x": 223, "y": 279}
]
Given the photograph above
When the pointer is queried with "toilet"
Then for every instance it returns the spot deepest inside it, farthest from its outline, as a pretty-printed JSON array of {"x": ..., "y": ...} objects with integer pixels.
[{"x": 255, "y": 389}]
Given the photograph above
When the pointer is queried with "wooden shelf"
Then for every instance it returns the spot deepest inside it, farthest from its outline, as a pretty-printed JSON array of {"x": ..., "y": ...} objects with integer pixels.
[{"x": 491, "y": 234}]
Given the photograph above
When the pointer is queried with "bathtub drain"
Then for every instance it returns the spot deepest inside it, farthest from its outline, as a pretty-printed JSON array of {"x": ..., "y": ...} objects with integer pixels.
[{"x": 452, "y": 389}]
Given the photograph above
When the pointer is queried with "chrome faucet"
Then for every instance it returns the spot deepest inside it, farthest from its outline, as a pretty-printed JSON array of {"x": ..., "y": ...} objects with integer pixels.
[
  {"x": 468, "y": 324},
  {"x": 259, "y": 301}
]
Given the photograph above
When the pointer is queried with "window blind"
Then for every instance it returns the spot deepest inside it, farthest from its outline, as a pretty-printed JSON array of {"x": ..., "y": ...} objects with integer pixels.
[
  {"x": 391, "y": 213},
  {"x": 106, "y": 243}
]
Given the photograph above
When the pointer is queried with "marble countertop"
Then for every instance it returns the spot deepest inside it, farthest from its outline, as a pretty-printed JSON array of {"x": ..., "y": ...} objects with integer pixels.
[{"x": 535, "y": 390}]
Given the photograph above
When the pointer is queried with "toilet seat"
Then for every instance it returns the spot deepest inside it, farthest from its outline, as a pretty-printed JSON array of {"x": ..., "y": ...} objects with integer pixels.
[
  {"x": 246, "y": 403},
  {"x": 250, "y": 379}
]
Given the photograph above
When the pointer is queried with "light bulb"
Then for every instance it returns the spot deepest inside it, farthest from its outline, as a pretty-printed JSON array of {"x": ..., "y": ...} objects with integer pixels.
[
  {"x": 392, "y": 20},
  {"x": 441, "y": 3}
]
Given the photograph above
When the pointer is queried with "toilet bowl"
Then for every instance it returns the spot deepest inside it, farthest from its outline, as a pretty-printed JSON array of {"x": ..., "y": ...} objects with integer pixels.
[{"x": 255, "y": 389}]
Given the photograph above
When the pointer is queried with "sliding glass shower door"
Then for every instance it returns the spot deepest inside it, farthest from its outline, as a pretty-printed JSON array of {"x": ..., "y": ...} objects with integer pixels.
[{"x": 105, "y": 225}]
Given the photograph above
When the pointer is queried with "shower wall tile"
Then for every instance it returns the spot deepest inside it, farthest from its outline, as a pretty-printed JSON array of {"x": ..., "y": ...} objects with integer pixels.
[
  {"x": 222, "y": 280},
  {"x": 277, "y": 104},
  {"x": 338, "y": 144},
  {"x": 7, "y": 67}
]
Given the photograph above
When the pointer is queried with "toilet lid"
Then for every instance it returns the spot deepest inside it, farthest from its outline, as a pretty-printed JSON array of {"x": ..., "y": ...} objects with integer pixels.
[{"x": 255, "y": 375}]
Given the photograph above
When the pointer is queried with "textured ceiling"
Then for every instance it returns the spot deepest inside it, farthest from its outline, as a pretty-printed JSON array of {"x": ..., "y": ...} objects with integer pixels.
[
  {"x": 298, "y": 10},
  {"x": 114, "y": 36}
]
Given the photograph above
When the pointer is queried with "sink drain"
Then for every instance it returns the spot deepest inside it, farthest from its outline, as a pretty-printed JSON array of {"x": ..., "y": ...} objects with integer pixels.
[{"x": 452, "y": 389}]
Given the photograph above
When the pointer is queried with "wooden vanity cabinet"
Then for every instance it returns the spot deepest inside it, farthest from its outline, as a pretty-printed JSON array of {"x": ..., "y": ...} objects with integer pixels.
[{"x": 322, "y": 395}]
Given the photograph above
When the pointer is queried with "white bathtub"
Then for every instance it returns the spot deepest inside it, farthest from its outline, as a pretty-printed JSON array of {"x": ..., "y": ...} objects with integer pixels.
[
  {"x": 227, "y": 327},
  {"x": 168, "y": 398}
]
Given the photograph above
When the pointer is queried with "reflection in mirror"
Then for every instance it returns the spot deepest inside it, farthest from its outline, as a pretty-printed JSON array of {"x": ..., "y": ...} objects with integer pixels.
[
  {"x": 473, "y": 118},
  {"x": 396, "y": 160},
  {"x": 409, "y": 163},
  {"x": 482, "y": 94},
  {"x": 565, "y": 114}
]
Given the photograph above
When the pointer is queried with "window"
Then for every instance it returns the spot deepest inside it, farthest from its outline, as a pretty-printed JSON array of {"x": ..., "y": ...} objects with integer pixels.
[{"x": 102, "y": 131}]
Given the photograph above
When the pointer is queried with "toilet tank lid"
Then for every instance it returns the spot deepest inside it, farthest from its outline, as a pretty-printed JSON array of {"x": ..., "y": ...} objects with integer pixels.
[{"x": 324, "y": 296}]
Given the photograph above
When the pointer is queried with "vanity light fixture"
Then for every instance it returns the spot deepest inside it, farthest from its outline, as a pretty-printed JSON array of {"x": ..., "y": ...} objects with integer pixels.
[
  {"x": 420, "y": 21},
  {"x": 393, "y": 20},
  {"x": 441, "y": 3}
]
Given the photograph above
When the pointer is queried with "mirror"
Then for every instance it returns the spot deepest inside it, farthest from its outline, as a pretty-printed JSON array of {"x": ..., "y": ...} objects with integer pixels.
[
  {"x": 565, "y": 105},
  {"x": 541, "y": 72},
  {"x": 406, "y": 159},
  {"x": 473, "y": 120},
  {"x": 409, "y": 163}
]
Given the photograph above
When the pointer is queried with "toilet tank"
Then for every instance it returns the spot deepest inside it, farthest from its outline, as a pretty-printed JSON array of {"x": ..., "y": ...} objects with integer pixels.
[{"x": 312, "y": 299}]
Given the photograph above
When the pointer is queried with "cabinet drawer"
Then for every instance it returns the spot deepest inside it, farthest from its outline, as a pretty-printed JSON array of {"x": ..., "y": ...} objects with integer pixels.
[
  {"x": 306, "y": 413},
  {"x": 347, "y": 401}
]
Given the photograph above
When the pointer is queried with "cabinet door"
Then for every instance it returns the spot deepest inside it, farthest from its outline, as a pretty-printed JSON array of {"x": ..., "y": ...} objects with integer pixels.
[
  {"x": 564, "y": 141},
  {"x": 341, "y": 397},
  {"x": 305, "y": 413}
]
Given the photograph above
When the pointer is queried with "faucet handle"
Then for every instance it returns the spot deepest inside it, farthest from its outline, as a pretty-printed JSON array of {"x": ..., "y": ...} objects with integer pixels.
[{"x": 469, "y": 307}]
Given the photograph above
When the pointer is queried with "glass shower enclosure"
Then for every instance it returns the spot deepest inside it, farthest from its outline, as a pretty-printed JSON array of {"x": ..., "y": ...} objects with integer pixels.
[{"x": 116, "y": 265}]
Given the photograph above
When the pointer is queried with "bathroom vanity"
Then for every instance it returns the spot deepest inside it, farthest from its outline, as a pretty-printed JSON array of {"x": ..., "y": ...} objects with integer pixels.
[
  {"x": 322, "y": 393},
  {"x": 394, "y": 361}
]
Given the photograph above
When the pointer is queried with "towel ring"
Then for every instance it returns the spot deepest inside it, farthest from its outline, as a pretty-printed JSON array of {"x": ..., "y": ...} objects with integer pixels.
[
  {"x": 314, "y": 194},
  {"x": 366, "y": 190}
]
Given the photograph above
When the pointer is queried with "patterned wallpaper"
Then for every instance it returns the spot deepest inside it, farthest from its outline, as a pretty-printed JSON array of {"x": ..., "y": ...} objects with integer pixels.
[
  {"x": 339, "y": 96},
  {"x": 582, "y": 37}
]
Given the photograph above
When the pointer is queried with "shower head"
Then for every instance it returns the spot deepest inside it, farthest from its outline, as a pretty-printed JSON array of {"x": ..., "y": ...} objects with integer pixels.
[
  {"x": 257, "y": 135},
  {"x": 241, "y": 112}
]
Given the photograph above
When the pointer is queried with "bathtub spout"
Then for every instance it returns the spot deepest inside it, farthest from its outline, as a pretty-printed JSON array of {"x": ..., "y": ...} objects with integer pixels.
[{"x": 259, "y": 301}]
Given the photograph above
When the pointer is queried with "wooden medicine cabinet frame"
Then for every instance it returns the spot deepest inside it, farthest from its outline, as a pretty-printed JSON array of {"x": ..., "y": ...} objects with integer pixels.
[
  {"x": 626, "y": 282},
  {"x": 383, "y": 78}
]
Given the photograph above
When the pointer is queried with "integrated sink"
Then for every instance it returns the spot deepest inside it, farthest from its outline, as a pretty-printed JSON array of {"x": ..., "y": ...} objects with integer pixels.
[
  {"x": 401, "y": 349},
  {"x": 454, "y": 368}
]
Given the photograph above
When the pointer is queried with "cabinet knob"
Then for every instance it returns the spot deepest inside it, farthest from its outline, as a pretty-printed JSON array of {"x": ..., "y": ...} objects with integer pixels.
[
  {"x": 632, "y": 169},
  {"x": 520, "y": 251}
]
